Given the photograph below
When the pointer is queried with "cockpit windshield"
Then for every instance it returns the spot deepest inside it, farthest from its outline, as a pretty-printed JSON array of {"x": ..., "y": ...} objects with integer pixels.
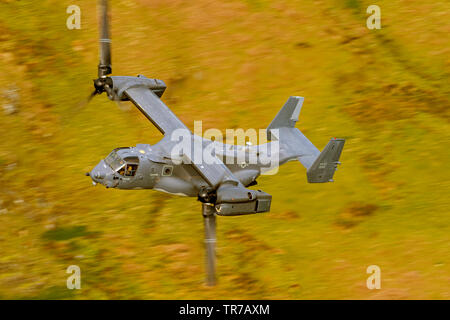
[
  {"x": 114, "y": 161},
  {"x": 126, "y": 167}
]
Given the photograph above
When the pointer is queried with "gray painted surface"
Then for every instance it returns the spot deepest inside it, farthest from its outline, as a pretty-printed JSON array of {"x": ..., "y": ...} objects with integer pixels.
[
  {"x": 155, "y": 168},
  {"x": 222, "y": 188},
  {"x": 222, "y": 184}
]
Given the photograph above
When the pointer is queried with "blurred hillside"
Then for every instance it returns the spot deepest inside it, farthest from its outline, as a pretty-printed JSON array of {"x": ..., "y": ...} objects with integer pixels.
[{"x": 231, "y": 64}]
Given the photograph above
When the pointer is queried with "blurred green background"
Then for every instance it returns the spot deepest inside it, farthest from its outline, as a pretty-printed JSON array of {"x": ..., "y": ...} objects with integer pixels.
[{"x": 231, "y": 64}]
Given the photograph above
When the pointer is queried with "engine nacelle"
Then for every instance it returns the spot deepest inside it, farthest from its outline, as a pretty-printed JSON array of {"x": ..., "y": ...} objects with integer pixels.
[
  {"x": 120, "y": 84},
  {"x": 258, "y": 205}
]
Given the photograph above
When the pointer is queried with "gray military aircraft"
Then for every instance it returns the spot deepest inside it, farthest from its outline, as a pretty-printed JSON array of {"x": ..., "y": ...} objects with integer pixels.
[{"x": 222, "y": 186}]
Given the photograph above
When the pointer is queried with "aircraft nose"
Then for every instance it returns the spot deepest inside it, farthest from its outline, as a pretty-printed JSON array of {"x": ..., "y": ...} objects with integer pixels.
[
  {"x": 99, "y": 172},
  {"x": 95, "y": 175},
  {"x": 102, "y": 174}
]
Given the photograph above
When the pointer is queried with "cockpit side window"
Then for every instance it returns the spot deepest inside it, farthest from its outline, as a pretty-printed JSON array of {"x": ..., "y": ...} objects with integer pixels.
[
  {"x": 126, "y": 167},
  {"x": 130, "y": 168}
]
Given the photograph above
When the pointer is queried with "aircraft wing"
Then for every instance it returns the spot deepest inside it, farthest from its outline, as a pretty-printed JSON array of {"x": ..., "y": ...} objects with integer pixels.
[
  {"x": 214, "y": 173},
  {"x": 154, "y": 109},
  {"x": 166, "y": 121}
]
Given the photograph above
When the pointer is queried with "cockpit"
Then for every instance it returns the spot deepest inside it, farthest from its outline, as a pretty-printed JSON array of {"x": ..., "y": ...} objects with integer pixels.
[{"x": 126, "y": 166}]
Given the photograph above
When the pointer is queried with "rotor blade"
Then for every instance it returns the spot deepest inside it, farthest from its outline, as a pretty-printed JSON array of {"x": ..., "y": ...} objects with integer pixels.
[
  {"x": 122, "y": 106},
  {"x": 86, "y": 102},
  {"x": 113, "y": 97},
  {"x": 104, "y": 67},
  {"x": 92, "y": 95},
  {"x": 79, "y": 106},
  {"x": 209, "y": 218}
]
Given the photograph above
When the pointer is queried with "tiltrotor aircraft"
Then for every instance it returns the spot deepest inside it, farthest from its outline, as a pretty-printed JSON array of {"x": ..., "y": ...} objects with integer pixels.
[{"x": 222, "y": 188}]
